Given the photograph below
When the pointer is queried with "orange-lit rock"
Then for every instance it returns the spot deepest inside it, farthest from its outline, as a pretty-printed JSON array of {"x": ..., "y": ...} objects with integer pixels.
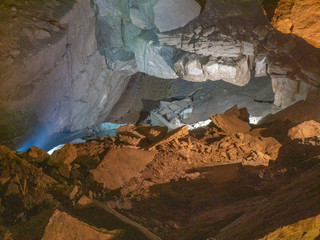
[{"x": 300, "y": 17}]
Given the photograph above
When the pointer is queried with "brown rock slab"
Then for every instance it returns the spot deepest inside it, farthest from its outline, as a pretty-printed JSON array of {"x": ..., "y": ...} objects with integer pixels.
[
  {"x": 241, "y": 113},
  {"x": 120, "y": 165},
  {"x": 134, "y": 135},
  {"x": 66, "y": 155},
  {"x": 230, "y": 124},
  {"x": 64, "y": 227}
]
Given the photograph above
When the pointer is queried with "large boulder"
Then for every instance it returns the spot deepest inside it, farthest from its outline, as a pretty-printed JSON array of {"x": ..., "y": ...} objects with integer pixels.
[
  {"x": 66, "y": 155},
  {"x": 199, "y": 69},
  {"x": 306, "y": 129},
  {"x": 120, "y": 165},
  {"x": 171, "y": 15},
  {"x": 36, "y": 154},
  {"x": 300, "y": 17},
  {"x": 154, "y": 59}
]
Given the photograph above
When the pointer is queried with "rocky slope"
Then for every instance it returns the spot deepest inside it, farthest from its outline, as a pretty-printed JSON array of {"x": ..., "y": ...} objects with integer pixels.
[{"x": 225, "y": 181}]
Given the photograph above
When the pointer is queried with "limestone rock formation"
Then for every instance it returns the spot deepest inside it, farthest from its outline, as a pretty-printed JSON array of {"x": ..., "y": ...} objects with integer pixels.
[
  {"x": 299, "y": 112},
  {"x": 241, "y": 113},
  {"x": 66, "y": 71}
]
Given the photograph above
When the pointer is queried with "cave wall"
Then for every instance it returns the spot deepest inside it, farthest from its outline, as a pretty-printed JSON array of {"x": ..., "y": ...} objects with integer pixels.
[
  {"x": 57, "y": 76},
  {"x": 65, "y": 65}
]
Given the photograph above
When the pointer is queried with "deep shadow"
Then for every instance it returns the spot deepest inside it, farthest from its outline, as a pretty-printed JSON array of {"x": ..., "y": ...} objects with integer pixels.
[
  {"x": 204, "y": 206},
  {"x": 270, "y": 6},
  {"x": 99, "y": 218}
]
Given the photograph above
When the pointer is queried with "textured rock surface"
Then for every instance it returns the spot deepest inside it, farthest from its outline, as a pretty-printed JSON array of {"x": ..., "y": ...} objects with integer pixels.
[
  {"x": 300, "y": 17},
  {"x": 230, "y": 124},
  {"x": 61, "y": 81},
  {"x": 63, "y": 226},
  {"x": 306, "y": 129},
  {"x": 218, "y": 181},
  {"x": 304, "y": 229},
  {"x": 68, "y": 70},
  {"x": 120, "y": 165}
]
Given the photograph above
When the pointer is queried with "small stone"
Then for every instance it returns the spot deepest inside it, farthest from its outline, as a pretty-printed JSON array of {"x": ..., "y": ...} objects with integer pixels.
[{"x": 42, "y": 34}]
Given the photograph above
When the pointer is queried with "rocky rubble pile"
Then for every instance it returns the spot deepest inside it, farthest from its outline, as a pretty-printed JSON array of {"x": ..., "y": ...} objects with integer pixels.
[{"x": 131, "y": 172}]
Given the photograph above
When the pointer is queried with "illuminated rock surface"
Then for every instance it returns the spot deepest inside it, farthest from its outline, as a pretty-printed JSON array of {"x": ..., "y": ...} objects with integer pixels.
[
  {"x": 121, "y": 186},
  {"x": 67, "y": 66},
  {"x": 300, "y": 17}
]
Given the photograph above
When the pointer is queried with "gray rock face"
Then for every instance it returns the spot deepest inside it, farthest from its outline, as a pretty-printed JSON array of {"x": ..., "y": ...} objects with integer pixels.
[
  {"x": 154, "y": 60},
  {"x": 170, "y": 15},
  {"x": 128, "y": 33},
  {"x": 288, "y": 91},
  {"x": 65, "y": 83}
]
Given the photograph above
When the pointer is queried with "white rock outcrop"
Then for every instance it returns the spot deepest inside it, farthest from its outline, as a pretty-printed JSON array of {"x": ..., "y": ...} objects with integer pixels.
[{"x": 232, "y": 70}]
